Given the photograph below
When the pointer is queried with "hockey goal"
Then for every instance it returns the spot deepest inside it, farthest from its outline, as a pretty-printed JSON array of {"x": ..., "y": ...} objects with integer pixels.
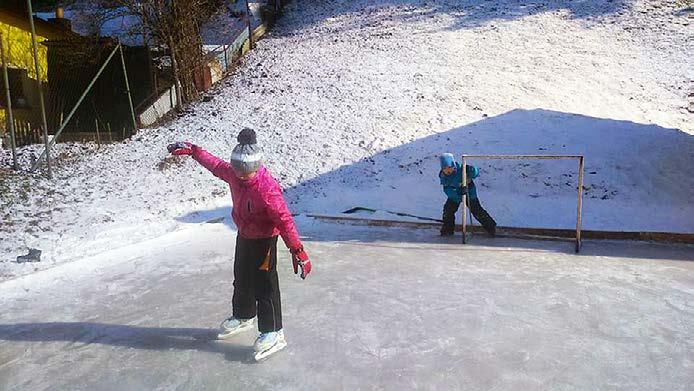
[{"x": 579, "y": 185}]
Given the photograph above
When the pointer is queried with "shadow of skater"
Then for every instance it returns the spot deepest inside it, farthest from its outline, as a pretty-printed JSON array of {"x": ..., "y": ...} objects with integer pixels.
[{"x": 148, "y": 338}]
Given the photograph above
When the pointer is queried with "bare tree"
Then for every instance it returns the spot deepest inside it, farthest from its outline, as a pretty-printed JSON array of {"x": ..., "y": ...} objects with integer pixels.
[{"x": 173, "y": 25}]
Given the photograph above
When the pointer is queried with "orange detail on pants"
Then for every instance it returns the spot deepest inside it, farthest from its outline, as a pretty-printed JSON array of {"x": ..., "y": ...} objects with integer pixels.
[{"x": 265, "y": 266}]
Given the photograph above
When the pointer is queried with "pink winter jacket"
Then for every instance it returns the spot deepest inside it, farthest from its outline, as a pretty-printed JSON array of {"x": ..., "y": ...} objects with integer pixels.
[{"x": 259, "y": 209}]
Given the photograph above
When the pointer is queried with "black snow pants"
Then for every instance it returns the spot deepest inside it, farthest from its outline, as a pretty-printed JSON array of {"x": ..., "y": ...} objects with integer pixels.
[
  {"x": 451, "y": 207},
  {"x": 256, "y": 286}
]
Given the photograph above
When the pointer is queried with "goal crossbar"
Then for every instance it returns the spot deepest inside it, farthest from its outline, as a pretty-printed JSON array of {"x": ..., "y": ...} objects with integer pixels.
[{"x": 579, "y": 188}]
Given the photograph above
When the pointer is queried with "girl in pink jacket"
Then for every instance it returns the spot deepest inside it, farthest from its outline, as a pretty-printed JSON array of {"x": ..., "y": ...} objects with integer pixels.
[{"x": 260, "y": 214}]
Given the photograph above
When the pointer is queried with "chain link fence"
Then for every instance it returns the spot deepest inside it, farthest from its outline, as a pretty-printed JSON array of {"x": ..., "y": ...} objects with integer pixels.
[
  {"x": 74, "y": 86},
  {"x": 93, "y": 89}
]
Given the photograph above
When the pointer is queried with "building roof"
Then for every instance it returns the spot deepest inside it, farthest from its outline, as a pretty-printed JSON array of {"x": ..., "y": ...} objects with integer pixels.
[{"x": 43, "y": 27}]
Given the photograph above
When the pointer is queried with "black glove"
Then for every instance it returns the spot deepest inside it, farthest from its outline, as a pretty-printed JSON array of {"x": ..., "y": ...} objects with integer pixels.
[{"x": 180, "y": 148}]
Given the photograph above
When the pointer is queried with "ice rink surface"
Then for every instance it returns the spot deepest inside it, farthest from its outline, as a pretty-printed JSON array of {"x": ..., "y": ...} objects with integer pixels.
[{"x": 388, "y": 309}]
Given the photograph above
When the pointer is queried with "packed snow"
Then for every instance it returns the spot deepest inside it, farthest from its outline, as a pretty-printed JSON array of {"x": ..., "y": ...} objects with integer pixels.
[
  {"x": 388, "y": 309},
  {"x": 353, "y": 101}
]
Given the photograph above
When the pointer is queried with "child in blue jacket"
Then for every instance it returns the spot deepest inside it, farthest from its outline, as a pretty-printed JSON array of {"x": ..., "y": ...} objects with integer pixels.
[{"x": 451, "y": 176}]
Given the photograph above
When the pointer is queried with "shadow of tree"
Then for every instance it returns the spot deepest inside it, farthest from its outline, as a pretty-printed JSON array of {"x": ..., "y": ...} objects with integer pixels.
[
  {"x": 635, "y": 177},
  {"x": 630, "y": 168},
  {"x": 461, "y": 14}
]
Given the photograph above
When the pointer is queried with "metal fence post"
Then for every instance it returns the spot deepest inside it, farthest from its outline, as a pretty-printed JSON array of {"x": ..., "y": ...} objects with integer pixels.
[
  {"x": 226, "y": 61},
  {"x": 127, "y": 88},
  {"x": 8, "y": 96},
  {"x": 581, "y": 168},
  {"x": 464, "y": 200},
  {"x": 250, "y": 28},
  {"x": 174, "y": 69},
  {"x": 98, "y": 136},
  {"x": 34, "y": 44}
]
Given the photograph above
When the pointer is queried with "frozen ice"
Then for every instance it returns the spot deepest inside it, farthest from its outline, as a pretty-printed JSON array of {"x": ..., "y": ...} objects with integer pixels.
[{"x": 384, "y": 309}]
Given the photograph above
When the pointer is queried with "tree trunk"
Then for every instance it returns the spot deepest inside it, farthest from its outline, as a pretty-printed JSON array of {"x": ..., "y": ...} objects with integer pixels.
[{"x": 186, "y": 47}]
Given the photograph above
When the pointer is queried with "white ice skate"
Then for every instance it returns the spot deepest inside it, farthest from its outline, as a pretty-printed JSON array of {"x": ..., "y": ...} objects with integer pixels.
[
  {"x": 268, "y": 344},
  {"x": 233, "y": 326}
]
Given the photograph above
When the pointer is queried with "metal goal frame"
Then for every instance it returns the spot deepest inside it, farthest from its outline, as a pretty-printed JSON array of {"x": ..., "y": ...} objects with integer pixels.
[{"x": 579, "y": 188}]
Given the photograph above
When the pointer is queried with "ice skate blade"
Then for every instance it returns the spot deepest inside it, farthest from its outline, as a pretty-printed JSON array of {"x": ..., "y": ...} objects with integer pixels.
[
  {"x": 260, "y": 356},
  {"x": 224, "y": 336}
]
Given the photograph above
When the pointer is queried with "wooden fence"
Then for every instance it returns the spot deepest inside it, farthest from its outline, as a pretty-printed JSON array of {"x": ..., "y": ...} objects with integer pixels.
[{"x": 26, "y": 133}]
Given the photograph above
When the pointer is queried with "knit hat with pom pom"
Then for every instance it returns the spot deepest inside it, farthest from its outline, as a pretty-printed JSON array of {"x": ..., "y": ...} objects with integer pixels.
[{"x": 246, "y": 157}]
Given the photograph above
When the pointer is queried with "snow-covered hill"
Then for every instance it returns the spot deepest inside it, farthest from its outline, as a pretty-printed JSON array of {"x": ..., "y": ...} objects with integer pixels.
[{"x": 353, "y": 100}]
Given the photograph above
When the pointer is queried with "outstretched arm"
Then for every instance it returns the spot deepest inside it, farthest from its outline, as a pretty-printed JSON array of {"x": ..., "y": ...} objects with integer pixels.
[{"x": 218, "y": 167}]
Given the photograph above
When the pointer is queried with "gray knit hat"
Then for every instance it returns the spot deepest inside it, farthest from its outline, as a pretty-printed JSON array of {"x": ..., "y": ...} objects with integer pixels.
[{"x": 246, "y": 157}]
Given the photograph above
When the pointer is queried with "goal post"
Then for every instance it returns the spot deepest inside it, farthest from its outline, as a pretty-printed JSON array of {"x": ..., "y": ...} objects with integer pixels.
[{"x": 579, "y": 188}]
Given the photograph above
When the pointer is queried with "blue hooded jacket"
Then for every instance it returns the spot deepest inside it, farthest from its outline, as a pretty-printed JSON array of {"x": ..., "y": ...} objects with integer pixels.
[{"x": 452, "y": 183}]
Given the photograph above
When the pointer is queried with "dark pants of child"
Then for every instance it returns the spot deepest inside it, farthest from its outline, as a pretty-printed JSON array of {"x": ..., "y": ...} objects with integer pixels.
[
  {"x": 451, "y": 207},
  {"x": 256, "y": 287}
]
